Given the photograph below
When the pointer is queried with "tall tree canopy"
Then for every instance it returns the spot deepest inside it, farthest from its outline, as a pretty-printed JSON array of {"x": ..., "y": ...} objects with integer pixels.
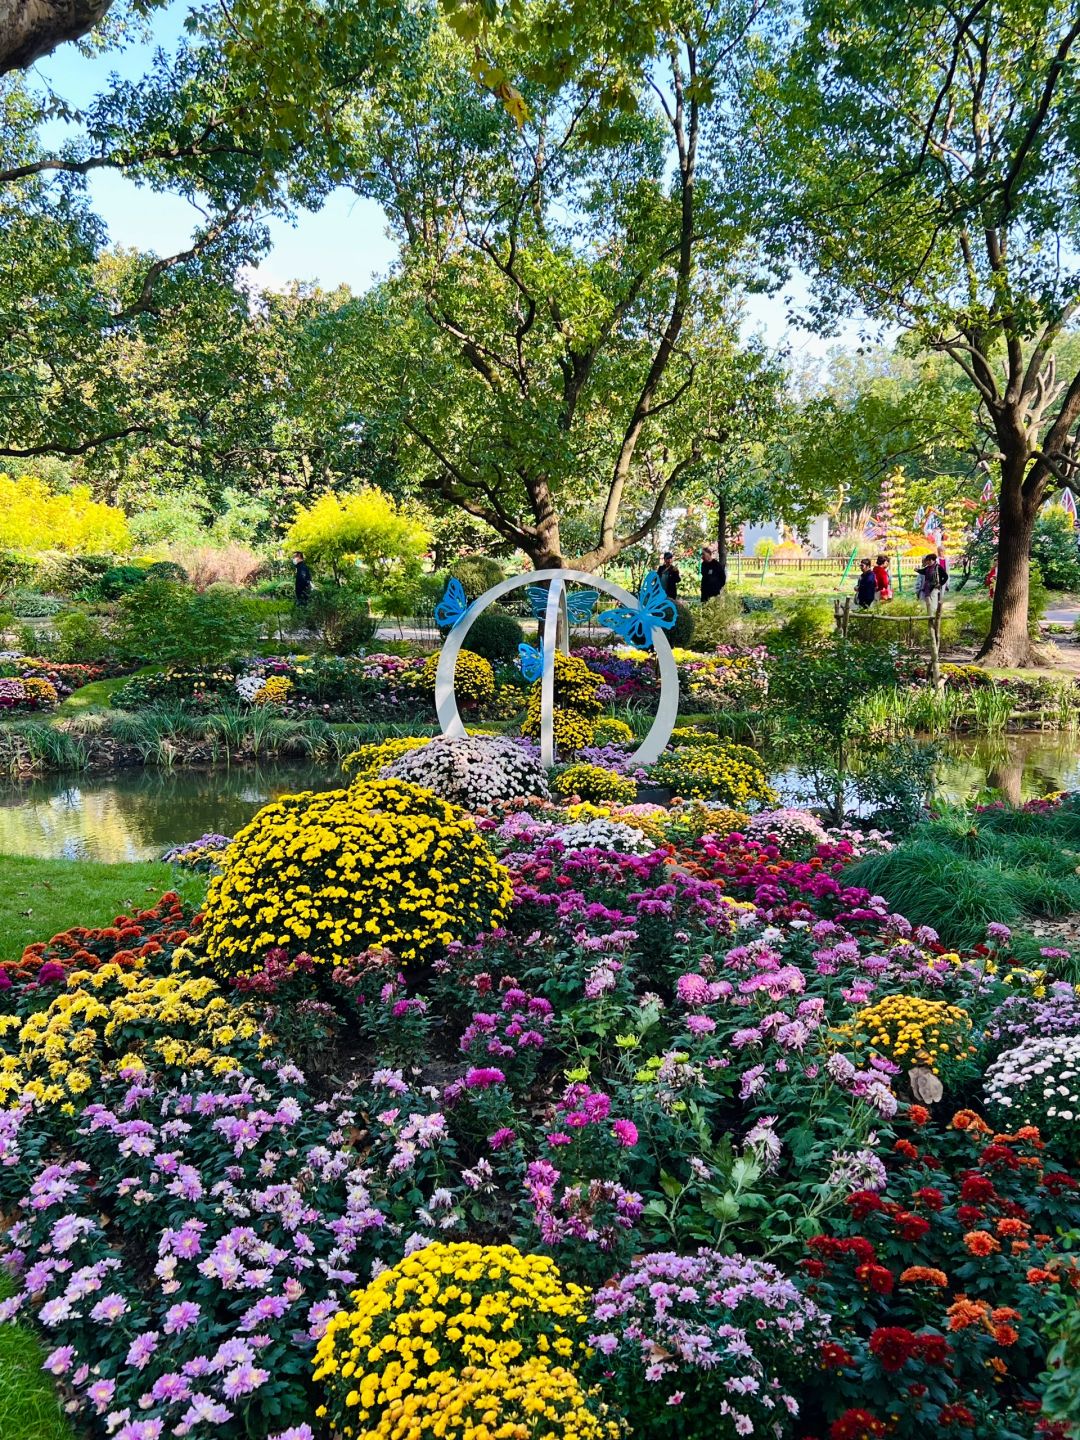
[
  {"x": 557, "y": 347},
  {"x": 925, "y": 159}
]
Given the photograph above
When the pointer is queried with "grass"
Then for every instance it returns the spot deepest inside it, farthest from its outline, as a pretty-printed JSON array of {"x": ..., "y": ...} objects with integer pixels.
[
  {"x": 39, "y": 898},
  {"x": 29, "y": 1405},
  {"x": 961, "y": 871},
  {"x": 92, "y": 697}
]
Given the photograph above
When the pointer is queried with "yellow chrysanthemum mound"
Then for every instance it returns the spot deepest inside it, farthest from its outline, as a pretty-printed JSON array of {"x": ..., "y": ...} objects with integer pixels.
[
  {"x": 913, "y": 1031},
  {"x": 460, "y": 1341},
  {"x": 474, "y": 679},
  {"x": 383, "y": 863},
  {"x": 274, "y": 691},
  {"x": 596, "y": 783},
  {"x": 576, "y": 705},
  {"x": 112, "y": 1018}
]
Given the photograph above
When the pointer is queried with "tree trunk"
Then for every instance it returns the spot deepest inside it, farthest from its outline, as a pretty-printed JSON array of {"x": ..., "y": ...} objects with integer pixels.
[
  {"x": 29, "y": 29},
  {"x": 721, "y": 536},
  {"x": 1008, "y": 644}
]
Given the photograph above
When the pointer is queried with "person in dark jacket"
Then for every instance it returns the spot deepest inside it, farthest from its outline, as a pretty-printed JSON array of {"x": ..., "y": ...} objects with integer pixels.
[
  {"x": 668, "y": 574},
  {"x": 302, "y": 579},
  {"x": 866, "y": 586},
  {"x": 928, "y": 583},
  {"x": 713, "y": 576}
]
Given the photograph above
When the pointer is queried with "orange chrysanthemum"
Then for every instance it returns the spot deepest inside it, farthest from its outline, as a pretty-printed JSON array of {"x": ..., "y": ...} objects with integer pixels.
[
  {"x": 964, "y": 1312},
  {"x": 981, "y": 1242},
  {"x": 923, "y": 1275},
  {"x": 968, "y": 1120},
  {"x": 1010, "y": 1227}
]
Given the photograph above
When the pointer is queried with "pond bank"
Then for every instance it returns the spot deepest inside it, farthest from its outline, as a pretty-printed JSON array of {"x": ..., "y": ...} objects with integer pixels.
[{"x": 136, "y": 813}]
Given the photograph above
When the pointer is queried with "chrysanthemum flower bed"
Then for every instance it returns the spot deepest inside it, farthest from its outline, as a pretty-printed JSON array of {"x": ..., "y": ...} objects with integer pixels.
[{"x": 628, "y": 1144}]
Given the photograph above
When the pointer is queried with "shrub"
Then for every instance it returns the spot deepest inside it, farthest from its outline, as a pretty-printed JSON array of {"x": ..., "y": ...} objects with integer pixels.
[
  {"x": 77, "y": 636},
  {"x": 34, "y": 517},
  {"x": 366, "y": 529},
  {"x": 476, "y": 573},
  {"x": 341, "y": 617},
  {"x": 474, "y": 771},
  {"x": 807, "y": 623},
  {"x": 33, "y": 605},
  {"x": 171, "y": 624},
  {"x": 167, "y": 570},
  {"x": 232, "y": 564},
  {"x": 119, "y": 580},
  {"x": 595, "y": 783},
  {"x": 1054, "y": 548},
  {"x": 495, "y": 635},
  {"x": 482, "y": 1314},
  {"x": 474, "y": 679},
  {"x": 732, "y": 774},
  {"x": 576, "y": 704},
  {"x": 331, "y": 874},
  {"x": 682, "y": 632},
  {"x": 178, "y": 683}
]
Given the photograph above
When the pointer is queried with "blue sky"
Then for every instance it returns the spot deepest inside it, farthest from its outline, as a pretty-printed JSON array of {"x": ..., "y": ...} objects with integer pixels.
[{"x": 346, "y": 242}]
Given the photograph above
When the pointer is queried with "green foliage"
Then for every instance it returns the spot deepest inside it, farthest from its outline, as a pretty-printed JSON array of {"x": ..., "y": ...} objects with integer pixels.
[
  {"x": 1059, "y": 1386},
  {"x": 896, "y": 782},
  {"x": 682, "y": 632},
  {"x": 32, "y": 604},
  {"x": 120, "y": 579},
  {"x": 808, "y": 623},
  {"x": 959, "y": 874},
  {"x": 34, "y": 517},
  {"x": 341, "y": 618},
  {"x": 77, "y": 636},
  {"x": 366, "y": 529},
  {"x": 495, "y": 635},
  {"x": 170, "y": 624},
  {"x": 29, "y": 1401},
  {"x": 476, "y": 573},
  {"x": 817, "y": 689},
  {"x": 1054, "y": 547}
]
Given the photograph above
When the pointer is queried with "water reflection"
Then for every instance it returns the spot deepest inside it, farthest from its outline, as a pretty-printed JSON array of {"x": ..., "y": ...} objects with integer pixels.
[{"x": 136, "y": 814}]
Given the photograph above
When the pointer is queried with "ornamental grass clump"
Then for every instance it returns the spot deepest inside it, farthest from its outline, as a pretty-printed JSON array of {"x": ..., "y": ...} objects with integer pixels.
[
  {"x": 733, "y": 774},
  {"x": 474, "y": 770},
  {"x": 444, "y": 1320},
  {"x": 706, "y": 1344},
  {"x": 595, "y": 783},
  {"x": 383, "y": 863}
]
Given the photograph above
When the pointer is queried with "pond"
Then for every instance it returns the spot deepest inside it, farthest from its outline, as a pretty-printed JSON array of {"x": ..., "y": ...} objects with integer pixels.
[{"x": 136, "y": 814}]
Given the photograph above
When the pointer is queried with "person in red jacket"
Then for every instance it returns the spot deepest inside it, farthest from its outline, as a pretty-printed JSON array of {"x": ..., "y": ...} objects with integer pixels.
[{"x": 882, "y": 578}]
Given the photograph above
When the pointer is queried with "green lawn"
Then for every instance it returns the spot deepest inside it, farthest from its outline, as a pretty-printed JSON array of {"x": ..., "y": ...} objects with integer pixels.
[
  {"x": 39, "y": 898},
  {"x": 95, "y": 696},
  {"x": 29, "y": 1405}
]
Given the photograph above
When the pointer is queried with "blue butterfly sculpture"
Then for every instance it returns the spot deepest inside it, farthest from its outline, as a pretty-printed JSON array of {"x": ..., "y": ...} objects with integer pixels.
[
  {"x": 655, "y": 608},
  {"x": 531, "y": 661},
  {"x": 579, "y": 603},
  {"x": 452, "y": 606}
]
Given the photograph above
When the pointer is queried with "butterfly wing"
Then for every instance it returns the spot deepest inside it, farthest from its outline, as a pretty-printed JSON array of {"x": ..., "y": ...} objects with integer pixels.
[
  {"x": 538, "y": 598},
  {"x": 531, "y": 661},
  {"x": 579, "y": 605},
  {"x": 452, "y": 606},
  {"x": 655, "y": 602},
  {"x": 625, "y": 622}
]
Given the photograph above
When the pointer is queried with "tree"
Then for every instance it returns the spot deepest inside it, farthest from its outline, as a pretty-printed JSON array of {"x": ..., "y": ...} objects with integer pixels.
[
  {"x": 35, "y": 517},
  {"x": 925, "y": 159},
  {"x": 366, "y": 529},
  {"x": 564, "y": 297},
  {"x": 29, "y": 29}
]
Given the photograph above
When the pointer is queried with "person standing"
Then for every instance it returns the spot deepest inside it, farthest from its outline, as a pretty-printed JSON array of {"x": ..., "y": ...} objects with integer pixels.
[
  {"x": 865, "y": 586},
  {"x": 669, "y": 577},
  {"x": 943, "y": 569},
  {"x": 882, "y": 578},
  {"x": 928, "y": 583},
  {"x": 302, "y": 578},
  {"x": 713, "y": 577}
]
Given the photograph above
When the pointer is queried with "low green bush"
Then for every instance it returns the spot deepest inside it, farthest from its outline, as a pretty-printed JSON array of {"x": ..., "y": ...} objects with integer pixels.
[
  {"x": 120, "y": 580},
  {"x": 495, "y": 635},
  {"x": 33, "y": 604},
  {"x": 76, "y": 636},
  {"x": 682, "y": 632},
  {"x": 340, "y": 616},
  {"x": 170, "y": 624}
]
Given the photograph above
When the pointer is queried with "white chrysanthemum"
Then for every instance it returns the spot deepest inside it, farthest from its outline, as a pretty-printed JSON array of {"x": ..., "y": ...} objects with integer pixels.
[
  {"x": 1038, "y": 1082},
  {"x": 603, "y": 835},
  {"x": 473, "y": 771}
]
